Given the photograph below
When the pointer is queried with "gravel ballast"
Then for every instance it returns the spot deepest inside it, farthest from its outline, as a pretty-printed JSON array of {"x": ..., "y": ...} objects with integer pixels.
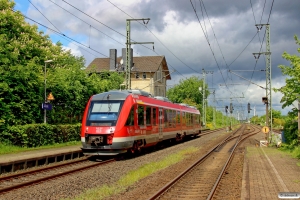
[{"x": 72, "y": 185}]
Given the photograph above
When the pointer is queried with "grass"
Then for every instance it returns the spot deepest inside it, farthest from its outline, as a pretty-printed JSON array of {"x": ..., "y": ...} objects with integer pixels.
[
  {"x": 294, "y": 152},
  {"x": 134, "y": 176},
  {"x": 6, "y": 149}
]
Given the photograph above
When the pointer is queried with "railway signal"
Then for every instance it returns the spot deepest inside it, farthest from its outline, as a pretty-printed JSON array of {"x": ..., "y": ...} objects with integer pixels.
[
  {"x": 231, "y": 108},
  {"x": 249, "y": 108}
]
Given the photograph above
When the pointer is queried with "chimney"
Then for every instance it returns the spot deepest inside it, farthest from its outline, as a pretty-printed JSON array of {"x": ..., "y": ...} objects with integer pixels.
[{"x": 112, "y": 59}]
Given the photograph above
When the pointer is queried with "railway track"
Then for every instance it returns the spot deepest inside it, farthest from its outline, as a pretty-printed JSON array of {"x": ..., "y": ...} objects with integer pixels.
[
  {"x": 18, "y": 180},
  {"x": 21, "y": 179},
  {"x": 201, "y": 180}
]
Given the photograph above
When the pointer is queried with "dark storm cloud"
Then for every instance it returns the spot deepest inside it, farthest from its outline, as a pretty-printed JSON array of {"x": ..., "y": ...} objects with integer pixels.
[{"x": 229, "y": 27}]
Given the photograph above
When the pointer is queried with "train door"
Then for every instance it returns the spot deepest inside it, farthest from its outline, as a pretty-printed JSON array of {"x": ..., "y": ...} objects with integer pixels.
[{"x": 160, "y": 124}]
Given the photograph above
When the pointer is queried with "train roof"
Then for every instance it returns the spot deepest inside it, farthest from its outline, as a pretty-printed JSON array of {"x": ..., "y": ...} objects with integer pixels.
[{"x": 123, "y": 94}]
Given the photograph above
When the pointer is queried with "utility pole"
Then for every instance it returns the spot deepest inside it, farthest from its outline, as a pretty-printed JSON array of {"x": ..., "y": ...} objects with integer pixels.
[
  {"x": 203, "y": 93},
  {"x": 214, "y": 108},
  {"x": 128, "y": 51},
  {"x": 268, "y": 99}
]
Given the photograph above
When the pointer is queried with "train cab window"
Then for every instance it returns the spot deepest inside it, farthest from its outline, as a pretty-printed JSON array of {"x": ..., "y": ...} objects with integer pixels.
[
  {"x": 141, "y": 115},
  {"x": 130, "y": 119},
  {"x": 104, "y": 113},
  {"x": 153, "y": 116},
  {"x": 148, "y": 115}
]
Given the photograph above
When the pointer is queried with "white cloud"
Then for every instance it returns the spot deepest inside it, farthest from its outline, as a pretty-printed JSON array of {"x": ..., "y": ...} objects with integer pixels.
[{"x": 74, "y": 49}]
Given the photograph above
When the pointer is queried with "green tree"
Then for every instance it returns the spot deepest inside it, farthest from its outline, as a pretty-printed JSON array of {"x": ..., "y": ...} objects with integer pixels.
[
  {"x": 23, "y": 52},
  {"x": 292, "y": 87},
  {"x": 291, "y": 91},
  {"x": 188, "y": 89}
]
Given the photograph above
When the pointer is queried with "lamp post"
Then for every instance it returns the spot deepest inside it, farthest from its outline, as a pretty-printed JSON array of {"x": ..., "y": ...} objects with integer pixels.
[{"x": 45, "y": 112}]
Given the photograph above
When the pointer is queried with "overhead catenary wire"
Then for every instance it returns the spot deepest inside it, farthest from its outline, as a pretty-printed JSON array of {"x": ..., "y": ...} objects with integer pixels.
[
  {"x": 107, "y": 27},
  {"x": 259, "y": 38},
  {"x": 59, "y": 32},
  {"x": 62, "y": 34},
  {"x": 156, "y": 38},
  {"x": 210, "y": 48},
  {"x": 55, "y": 26}
]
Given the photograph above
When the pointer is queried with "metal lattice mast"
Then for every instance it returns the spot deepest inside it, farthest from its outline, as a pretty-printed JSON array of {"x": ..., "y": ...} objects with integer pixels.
[
  {"x": 128, "y": 56},
  {"x": 203, "y": 93},
  {"x": 203, "y": 100},
  {"x": 268, "y": 75},
  {"x": 268, "y": 99},
  {"x": 128, "y": 51}
]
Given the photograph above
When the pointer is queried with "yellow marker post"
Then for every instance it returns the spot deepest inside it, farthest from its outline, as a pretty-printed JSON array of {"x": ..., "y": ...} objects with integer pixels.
[{"x": 265, "y": 129}]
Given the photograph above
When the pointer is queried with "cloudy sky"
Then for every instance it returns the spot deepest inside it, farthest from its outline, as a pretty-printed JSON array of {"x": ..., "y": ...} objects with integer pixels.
[{"x": 214, "y": 35}]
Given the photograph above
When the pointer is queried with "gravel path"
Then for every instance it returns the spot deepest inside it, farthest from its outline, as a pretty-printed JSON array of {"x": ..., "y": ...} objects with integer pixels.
[{"x": 72, "y": 185}]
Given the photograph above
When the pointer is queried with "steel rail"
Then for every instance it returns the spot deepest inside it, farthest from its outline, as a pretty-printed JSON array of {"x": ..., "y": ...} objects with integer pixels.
[
  {"x": 214, "y": 189},
  {"x": 172, "y": 182},
  {"x": 168, "y": 185},
  {"x": 6, "y": 189}
]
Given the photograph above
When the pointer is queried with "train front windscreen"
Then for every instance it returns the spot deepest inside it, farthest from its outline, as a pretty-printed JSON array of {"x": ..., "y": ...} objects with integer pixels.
[{"x": 104, "y": 113}]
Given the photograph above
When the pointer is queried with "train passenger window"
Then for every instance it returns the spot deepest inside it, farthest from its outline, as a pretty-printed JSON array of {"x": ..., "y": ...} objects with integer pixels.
[
  {"x": 174, "y": 118},
  {"x": 153, "y": 116},
  {"x": 166, "y": 117},
  {"x": 189, "y": 119},
  {"x": 170, "y": 118},
  {"x": 178, "y": 117},
  {"x": 193, "y": 118},
  {"x": 198, "y": 119},
  {"x": 130, "y": 119},
  {"x": 183, "y": 118},
  {"x": 141, "y": 115},
  {"x": 148, "y": 115}
]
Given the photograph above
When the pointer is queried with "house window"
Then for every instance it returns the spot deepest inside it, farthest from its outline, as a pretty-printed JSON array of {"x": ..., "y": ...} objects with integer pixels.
[
  {"x": 137, "y": 75},
  {"x": 144, "y": 75}
]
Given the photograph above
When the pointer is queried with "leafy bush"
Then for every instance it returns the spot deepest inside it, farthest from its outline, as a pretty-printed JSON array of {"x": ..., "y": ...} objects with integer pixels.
[
  {"x": 290, "y": 131},
  {"x": 35, "y": 135}
]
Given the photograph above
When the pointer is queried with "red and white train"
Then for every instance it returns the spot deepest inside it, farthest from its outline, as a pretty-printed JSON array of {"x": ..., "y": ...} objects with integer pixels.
[{"x": 116, "y": 122}]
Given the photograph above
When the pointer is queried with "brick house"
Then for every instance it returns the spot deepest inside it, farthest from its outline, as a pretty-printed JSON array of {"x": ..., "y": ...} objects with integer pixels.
[{"x": 149, "y": 73}]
